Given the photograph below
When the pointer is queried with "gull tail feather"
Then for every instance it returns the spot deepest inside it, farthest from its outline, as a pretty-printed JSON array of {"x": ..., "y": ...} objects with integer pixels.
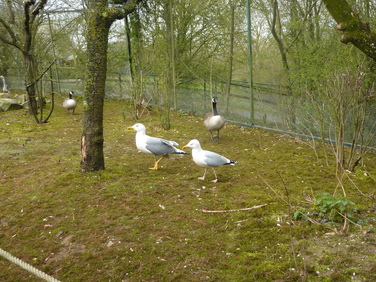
[
  {"x": 181, "y": 152},
  {"x": 231, "y": 163}
]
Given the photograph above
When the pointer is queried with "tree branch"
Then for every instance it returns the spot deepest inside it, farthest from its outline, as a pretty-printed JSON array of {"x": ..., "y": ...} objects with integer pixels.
[
  {"x": 117, "y": 13},
  {"x": 235, "y": 210},
  {"x": 40, "y": 77},
  {"x": 354, "y": 30},
  {"x": 11, "y": 12},
  {"x": 38, "y": 7},
  {"x": 14, "y": 42}
]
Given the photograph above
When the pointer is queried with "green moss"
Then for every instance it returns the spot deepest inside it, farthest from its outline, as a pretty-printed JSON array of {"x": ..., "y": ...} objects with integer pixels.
[{"x": 130, "y": 223}]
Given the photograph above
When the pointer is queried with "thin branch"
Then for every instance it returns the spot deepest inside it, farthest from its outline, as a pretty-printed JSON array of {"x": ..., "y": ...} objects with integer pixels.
[
  {"x": 275, "y": 192},
  {"x": 301, "y": 28},
  {"x": 40, "y": 77},
  {"x": 235, "y": 210},
  {"x": 286, "y": 202},
  {"x": 346, "y": 218},
  {"x": 14, "y": 42}
]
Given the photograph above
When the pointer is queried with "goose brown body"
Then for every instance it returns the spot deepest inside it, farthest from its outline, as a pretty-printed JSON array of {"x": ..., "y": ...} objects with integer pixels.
[
  {"x": 213, "y": 121},
  {"x": 70, "y": 103}
]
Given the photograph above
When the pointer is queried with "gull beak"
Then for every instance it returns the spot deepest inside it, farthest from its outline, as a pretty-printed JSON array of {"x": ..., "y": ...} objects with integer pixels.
[
  {"x": 184, "y": 147},
  {"x": 130, "y": 128}
]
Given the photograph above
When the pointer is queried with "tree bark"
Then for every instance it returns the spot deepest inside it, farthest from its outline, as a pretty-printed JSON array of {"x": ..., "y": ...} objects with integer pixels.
[
  {"x": 231, "y": 54},
  {"x": 100, "y": 19},
  {"x": 30, "y": 83},
  {"x": 94, "y": 89},
  {"x": 354, "y": 30}
]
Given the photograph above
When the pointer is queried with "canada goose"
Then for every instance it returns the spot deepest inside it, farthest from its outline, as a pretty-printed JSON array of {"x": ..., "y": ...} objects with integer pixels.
[
  {"x": 154, "y": 145},
  {"x": 214, "y": 121},
  {"x": 70, "y": 103},
  {"x": 5, "y": 86},
  {"x": 207, "y": 158}
]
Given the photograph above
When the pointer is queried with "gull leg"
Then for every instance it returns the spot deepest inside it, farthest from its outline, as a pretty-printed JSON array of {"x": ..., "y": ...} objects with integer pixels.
[
  {"x": 203, "y": 177},
  {"x": 216, "y": 178},
  {"x": 156, "y": 163}
]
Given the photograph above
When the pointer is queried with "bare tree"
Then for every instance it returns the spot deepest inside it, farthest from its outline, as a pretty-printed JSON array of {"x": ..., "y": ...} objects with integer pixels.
[{"x": 24, "y": 43}]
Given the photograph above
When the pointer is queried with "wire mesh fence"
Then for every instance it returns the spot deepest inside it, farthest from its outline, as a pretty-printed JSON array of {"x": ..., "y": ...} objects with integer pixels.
[
  {"x": 275, "y": 109},
  {"x": 272, "y": 107}
]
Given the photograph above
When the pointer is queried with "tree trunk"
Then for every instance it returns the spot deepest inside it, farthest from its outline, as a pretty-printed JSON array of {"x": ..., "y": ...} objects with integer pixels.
[
  {"x": 92, "y": 157},
  {"x": 30, "y": 83},
  {"x": 134, "y": 38},
  {"x": 231, "y": 55},
  {"x": 100, "y": 18},
  {"x": 173, "y": 59},
  {"x": 290, "y": 107}
]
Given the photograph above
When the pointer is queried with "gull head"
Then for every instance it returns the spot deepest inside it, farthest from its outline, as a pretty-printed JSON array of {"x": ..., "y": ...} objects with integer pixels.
[
  {"x": 139, "y": 127},
  {"x": 194, "y": 144}
]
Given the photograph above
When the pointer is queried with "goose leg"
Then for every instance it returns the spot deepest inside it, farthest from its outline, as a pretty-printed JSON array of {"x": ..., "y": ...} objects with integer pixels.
[
  {"x": 211, "y": 135},
  {"x": 215, "y": 137},
  {"x": 203, "y": 177}
]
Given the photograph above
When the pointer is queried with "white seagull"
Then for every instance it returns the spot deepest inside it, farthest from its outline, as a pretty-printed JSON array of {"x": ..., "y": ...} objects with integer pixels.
[
  {"x": 154, "y": 145},
  {"x": 207, "y": 158},
  {"x": 213, "y": 121}
]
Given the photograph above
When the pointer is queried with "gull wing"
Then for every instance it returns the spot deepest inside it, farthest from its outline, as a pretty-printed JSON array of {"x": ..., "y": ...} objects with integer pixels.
[{"x": 158, "y": 146}]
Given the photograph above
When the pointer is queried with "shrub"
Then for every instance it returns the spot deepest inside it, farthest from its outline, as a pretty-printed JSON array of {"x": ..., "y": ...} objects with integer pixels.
[{"x": 334, "y": 207}]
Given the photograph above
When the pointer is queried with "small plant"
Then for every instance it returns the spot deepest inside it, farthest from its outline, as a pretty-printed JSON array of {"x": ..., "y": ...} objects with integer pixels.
[
  {"x": 165, "y": 117},
  {"x": 335, "y": 207},
  {"x": 300, "y": 214}
]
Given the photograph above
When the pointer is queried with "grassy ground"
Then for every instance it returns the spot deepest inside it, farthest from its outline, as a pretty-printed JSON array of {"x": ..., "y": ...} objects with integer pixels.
[{"x": 128, "y": 223}]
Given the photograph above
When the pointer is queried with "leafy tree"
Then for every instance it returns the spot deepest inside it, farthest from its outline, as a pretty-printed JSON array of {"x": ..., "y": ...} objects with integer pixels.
[{"x": 101, "y": 15}]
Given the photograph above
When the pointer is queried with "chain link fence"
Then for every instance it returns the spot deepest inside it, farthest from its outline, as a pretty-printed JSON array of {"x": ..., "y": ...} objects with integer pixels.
[{"x": 273, "y": 108}]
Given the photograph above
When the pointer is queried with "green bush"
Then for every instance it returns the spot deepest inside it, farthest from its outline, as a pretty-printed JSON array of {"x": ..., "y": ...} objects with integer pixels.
[{"x": 332, "y": 207}]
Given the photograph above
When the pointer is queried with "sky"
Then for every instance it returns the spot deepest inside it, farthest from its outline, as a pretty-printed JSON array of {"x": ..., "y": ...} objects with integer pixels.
[{"x": 64, "y": 5}]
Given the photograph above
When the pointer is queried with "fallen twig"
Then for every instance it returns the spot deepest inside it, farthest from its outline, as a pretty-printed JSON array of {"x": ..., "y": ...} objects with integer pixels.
[{"x": 236, "y": 210}]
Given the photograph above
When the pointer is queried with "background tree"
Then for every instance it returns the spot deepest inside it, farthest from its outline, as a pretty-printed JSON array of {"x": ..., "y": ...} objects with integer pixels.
[
  {"x": 193, "y": 38},
  {"x": 12, "y": 26},
  {"x": 101, "y": 15}
]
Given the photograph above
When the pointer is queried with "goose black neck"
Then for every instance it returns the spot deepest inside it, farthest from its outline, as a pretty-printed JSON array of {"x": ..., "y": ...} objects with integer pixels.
[
  {"x": 215, "y": 112},
  {"x": 70, "y": 96}
]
